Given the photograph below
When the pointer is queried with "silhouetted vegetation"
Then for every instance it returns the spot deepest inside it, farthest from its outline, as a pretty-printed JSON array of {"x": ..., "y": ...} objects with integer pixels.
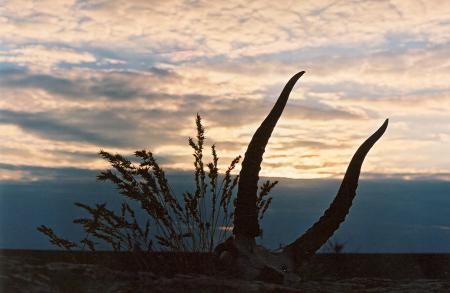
[{"x": 195, "y": 221}]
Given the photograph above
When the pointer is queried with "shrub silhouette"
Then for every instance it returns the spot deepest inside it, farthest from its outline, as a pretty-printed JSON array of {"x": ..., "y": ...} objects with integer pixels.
[{"x": 197, "y": 221}]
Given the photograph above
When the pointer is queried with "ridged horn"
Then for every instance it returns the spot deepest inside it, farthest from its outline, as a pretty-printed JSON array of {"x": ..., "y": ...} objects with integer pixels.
[
  {"x": 246, "y": 217},
  {"x": 316, "y": 236}
]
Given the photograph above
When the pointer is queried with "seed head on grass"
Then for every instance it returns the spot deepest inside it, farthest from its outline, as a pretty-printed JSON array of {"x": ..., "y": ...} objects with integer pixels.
[{"x": 193, "y": 221}]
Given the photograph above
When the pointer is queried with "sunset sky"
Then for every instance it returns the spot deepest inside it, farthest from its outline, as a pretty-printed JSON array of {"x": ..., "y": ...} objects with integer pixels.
[{"x": 80, "y": 76}]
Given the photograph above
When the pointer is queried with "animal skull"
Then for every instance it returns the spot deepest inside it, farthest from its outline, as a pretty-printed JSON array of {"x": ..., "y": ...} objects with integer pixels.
[{"x": 256, "y": 262}]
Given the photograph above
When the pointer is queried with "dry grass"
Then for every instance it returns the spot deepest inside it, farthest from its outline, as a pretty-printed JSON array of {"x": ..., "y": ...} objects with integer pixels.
[{"x": 192, "y": 222}]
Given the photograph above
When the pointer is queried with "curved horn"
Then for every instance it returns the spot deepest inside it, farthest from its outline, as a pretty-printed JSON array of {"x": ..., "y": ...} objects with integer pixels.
[
  {"x": 323, "y": 229},
  {"x": 246, "y": 217}
]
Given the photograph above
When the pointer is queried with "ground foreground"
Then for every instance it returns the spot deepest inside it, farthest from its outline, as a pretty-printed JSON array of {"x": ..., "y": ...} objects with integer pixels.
[{"x": 33, "y": 271}]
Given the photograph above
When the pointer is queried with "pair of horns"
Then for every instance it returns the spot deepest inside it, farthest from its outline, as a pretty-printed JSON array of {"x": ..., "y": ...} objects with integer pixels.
[{"x": 246, "y": 219}]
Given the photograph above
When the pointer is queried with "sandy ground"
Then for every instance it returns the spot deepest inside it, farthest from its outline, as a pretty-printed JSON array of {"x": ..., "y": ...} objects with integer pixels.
[{"x": 19, "y": 274}]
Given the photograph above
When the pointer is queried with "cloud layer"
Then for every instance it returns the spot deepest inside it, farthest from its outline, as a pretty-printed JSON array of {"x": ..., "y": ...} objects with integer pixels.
[{"x": 77, "y": 76}]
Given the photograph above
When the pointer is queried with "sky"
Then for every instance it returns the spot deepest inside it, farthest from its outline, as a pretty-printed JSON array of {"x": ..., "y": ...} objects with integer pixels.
[
  {"x": 387, "y": 215},
  {"x": 124, "y": 75},
  {"x": 80, "y": 76}
]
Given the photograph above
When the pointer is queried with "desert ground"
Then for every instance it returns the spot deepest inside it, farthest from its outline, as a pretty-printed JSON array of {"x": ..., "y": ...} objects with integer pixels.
[{"x": 53, "y": 271}]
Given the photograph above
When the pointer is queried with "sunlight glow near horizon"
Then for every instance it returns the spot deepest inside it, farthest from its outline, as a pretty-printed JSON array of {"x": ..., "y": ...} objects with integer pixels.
[{"x": 80, "y": 76}]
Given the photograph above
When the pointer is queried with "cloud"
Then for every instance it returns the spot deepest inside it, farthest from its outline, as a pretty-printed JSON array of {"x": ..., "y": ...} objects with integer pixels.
[
  {"x": 44, "y": 58},
  {"x": 84, "y": 85},
  {"x": 232, "y": 29},
  {"x": 45, "y": 125},
  {"x": 27, "y": 173},
  {"x": 124, "y": 75}
]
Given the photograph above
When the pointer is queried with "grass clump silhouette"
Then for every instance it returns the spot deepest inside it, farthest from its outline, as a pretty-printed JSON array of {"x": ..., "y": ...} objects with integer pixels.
[{"x": 195, "y": 222}]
